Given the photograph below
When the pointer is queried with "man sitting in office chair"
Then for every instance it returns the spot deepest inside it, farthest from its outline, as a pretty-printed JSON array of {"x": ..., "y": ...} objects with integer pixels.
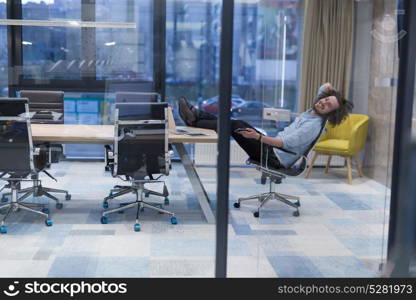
[{"x": 284, "y": 149}]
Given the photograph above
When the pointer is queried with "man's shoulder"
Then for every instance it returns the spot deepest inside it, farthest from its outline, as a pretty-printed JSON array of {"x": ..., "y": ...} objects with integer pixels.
[{"x": 311, "y": 117}]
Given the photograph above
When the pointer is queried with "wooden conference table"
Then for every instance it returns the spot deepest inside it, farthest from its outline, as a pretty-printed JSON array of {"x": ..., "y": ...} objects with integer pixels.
[{"x": 104, "y": 134}]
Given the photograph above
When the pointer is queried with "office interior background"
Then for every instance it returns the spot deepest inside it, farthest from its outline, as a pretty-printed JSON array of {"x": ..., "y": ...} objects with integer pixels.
[{"x": 282, "y": 51}]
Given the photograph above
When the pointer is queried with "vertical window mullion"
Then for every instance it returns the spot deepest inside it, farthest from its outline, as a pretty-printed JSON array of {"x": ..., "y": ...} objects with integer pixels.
[
  {"x": 88, "y": 43},
  {"x": 159, "y": 47},
  {"x": 14, "y": 46}
]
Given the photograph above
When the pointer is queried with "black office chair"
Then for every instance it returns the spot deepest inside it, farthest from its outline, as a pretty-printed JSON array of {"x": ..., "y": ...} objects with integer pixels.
[
  {"x": 134, "y": 97},
  {"x": 140, "y": 97},
  {"x": 141, "y": 152},
  {"x": 45, "y": 107},
  {"x": 18, "y": 158},
  {"x": 275, "y": 176},
  {"x": 128, "y": 97}
]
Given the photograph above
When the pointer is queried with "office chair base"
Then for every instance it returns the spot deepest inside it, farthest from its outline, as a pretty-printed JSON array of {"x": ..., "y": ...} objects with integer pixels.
[
  {"x": 119, "y": 188},
  {"x": 15, "y": 206},
  {"x": 266, "y": 197},
  {"x": 137, "y": 188},
  {"x": 140, "y": 205},
  {"x": 38, "y": 190}
]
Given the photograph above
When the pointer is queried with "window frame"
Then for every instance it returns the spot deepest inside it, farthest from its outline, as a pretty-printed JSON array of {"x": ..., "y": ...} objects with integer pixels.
[{"x": 89, "y": 82}]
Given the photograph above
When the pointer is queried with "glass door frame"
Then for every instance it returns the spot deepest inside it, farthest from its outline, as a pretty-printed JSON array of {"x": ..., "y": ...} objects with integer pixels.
[{"x": 402, "y": 223}]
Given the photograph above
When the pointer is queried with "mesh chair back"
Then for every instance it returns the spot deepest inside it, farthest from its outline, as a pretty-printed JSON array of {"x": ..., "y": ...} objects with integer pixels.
[
  {"x": 15, "y": 136},
  {"x": 129, "y": 97},
  {"x": 141, "y": 139},
  {"x": 45, "y": 101}
]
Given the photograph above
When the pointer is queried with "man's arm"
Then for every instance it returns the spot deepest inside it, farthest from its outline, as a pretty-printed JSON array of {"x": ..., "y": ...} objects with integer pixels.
[
  {"x": 325, "y": 88},
  {"x": 250, "y": 133}
]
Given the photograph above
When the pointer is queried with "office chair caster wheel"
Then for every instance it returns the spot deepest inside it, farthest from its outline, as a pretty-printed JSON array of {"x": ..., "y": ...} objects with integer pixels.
[
  {"x": 104, "y": 220},
  {"x": 237, "y": 205},
  {"x": 48, "y": 222},
  {"x": 45, "y": 211},
  {"x": 296, "y": 213},
  {"x": 59, "y": 205},
  {"x": 174, "y": 221},
  {"x": 106, "y": 168},
  {"x": 3, "y": 229},
  {"x": 146, "y": 195},
  {"x": 256, "y": 214},
  {"x": 166, "y": 201},
  {"x": 105, "y": 204},
  {"x": 137, "y": 227},
  {"x": 68, "y": 197}
]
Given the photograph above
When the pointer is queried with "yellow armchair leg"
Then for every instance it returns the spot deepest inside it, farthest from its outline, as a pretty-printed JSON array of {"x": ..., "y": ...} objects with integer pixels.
[
  {"x": 308, "y": 172},
  {"x": 357, "y": 162},
  {"x": 328, "y": 163},
  {"x": 349, "y": 167}
]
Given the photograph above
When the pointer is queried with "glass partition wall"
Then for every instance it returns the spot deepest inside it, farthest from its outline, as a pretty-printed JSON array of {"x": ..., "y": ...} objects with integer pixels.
[
  {"x": 3, "y": 52},
  {"x": 342, "y": 227},
  {"x": 93, "y": 49}
]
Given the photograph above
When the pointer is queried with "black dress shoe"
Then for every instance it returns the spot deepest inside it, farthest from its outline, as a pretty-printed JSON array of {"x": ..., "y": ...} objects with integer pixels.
[{"x": 185, "y": 112}]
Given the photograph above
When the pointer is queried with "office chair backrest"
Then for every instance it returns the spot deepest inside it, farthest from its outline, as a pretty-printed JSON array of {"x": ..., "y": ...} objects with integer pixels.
[
  {"x": 324, "y": 121},
  {"x": 16, "y": 149},
  {"x": 13, "y": 107},
  {"x": 131, "y": 97},
  {"x": 141, "y": 139},
  {"x": 39, "y": 101}
]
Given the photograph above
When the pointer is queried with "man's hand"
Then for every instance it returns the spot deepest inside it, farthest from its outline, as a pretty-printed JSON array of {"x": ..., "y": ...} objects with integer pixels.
[
  {"x": 250, "y": 133},
  {"x": 328, "y": 86}
]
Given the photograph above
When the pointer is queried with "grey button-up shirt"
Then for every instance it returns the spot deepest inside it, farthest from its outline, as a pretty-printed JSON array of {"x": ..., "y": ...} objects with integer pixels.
[{"x": 298, "y": 136}]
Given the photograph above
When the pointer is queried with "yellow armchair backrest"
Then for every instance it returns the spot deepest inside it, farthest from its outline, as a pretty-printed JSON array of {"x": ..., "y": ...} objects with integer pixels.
[{"x": 354, "y": 129}]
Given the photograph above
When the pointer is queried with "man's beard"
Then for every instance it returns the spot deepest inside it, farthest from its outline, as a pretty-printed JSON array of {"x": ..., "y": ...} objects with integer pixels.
[{"x": 316, "y": 111}]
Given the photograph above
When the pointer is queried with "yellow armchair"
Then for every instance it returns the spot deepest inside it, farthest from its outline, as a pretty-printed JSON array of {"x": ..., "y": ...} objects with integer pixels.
[{"x": 346, "y": 139}]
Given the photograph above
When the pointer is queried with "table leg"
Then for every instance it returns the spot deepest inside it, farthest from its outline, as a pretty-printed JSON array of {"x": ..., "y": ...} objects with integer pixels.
[{"x": 196, "y": 183}]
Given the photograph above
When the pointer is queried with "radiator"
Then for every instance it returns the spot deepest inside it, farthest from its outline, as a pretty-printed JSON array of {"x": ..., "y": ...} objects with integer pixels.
[{"x": 206, "y": 154}]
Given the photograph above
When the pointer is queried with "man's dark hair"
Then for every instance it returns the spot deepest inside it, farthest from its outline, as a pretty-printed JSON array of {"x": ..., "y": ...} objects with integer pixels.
[{"x": 338, "y": 115}]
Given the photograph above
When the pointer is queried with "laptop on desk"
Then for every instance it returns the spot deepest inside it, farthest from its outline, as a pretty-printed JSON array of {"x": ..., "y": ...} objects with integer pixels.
[{"x": 185, "y": 131}]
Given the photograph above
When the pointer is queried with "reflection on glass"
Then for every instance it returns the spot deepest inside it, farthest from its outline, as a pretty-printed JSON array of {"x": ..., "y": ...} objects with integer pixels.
[
  {"x": 278, "y": 35},
  {"x": 52, "y": 52},
  {"x": 192, "y": 50},
  {"x": 125, "y": 53},
  {"x": 3, "y": 52},
  {"x": 414, "y": 115}
]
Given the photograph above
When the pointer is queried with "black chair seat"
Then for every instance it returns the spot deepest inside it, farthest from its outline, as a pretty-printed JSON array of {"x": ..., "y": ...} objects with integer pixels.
[{"x": 294, "y": 171}]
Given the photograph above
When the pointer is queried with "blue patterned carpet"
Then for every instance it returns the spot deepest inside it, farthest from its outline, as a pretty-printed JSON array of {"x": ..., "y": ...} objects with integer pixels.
[{"x": 341, "y": 231}]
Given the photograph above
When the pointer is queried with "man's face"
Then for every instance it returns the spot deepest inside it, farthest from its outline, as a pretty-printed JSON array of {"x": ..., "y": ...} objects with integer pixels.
[{"x": 326, "y": 105}]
